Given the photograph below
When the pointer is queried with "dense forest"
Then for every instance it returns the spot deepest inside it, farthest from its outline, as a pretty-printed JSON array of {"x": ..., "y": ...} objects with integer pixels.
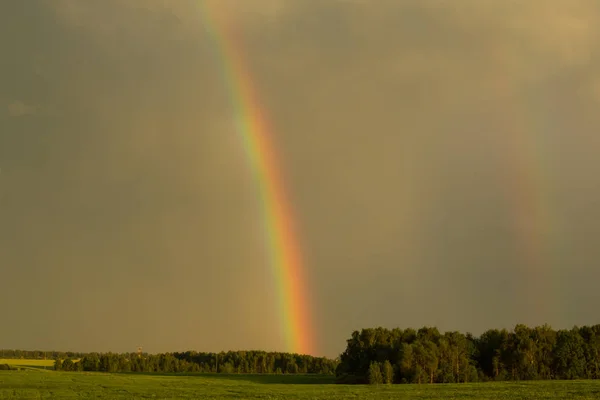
[
  {"x": 427, "y": 356},
  {"x": 249, "y": 362}
]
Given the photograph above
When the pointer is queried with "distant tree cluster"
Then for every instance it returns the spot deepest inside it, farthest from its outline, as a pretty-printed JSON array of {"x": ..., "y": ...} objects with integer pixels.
[
  {"x": 126, "y": 362},
  {"x": 249, "y": 362},
  {"x": 243, "y": 362},
  {"x": 259, "y": 362},
  {"x": 379, "y": 356},
  {"x": 38, "y": 354}
]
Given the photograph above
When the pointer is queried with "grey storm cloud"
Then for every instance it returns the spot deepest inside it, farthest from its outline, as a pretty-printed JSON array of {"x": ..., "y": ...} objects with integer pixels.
[{"x": 412, "y": 134}]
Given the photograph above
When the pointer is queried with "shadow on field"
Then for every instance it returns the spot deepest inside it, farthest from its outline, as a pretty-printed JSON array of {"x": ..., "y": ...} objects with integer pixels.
[
  {"x": 19, "y": 367},
  {"x": 269, "y": 379},
  {"x": 265, "y": 379}
]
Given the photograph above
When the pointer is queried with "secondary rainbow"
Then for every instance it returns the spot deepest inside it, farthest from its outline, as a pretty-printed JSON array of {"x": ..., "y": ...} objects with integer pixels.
[
  {"x": 256, "y": 133},
  {"x": 529, "y": 190}
]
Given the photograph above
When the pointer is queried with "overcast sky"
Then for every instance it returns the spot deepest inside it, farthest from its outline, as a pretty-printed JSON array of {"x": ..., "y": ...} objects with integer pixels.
[{"x": 442, "y": 159}]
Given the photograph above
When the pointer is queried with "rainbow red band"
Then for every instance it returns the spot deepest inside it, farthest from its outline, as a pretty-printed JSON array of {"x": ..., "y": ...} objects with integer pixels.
[{"x": 253, "y": 128}]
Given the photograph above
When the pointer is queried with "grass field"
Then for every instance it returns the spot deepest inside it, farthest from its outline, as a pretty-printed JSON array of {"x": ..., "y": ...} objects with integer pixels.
[
  {"x": 36, "y": 384},
  {"x": 26, "y": 363}
]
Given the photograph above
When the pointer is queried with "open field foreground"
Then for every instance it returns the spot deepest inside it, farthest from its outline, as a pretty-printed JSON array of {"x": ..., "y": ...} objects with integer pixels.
[
  {"x": 17, "y": 362},
  {"x": 34, "y": 384}
]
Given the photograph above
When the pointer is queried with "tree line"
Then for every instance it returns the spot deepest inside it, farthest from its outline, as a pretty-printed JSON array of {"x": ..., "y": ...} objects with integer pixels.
[
  {"x": 231, "y": 362},
  {"x": 38, "y": 354},
  {"x": 382, "y": 355},
  {"x": 243, "y": 362},
  {"x": 260, "y": 362}
]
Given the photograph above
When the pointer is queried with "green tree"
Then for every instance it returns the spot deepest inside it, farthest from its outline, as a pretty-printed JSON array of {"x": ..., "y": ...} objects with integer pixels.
[
  {"x": 375, "y": 376},
  {"x": 388, "y": 372},
  {"x": 569, "y": 357},
  {"x": 68, "y": 365},
  {"x": 226, "y": 368},
  {"x": 407, "y": 363}
]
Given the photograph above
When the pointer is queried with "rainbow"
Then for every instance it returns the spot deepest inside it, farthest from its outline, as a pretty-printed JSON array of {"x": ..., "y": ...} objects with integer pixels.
[
  {"x": 256, "y": 134},
  {"x": 531, "y": 220},
  {"x": 530, "y": 196},
  {"x": 535, "y": 223}
]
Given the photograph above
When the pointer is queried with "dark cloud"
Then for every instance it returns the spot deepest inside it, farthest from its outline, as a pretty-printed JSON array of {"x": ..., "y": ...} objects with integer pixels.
[{"x": 440, "y": 158}]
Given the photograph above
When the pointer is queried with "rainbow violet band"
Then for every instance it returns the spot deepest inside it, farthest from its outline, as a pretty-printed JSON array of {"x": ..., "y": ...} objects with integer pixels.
[{"x": 252, "y": 124}]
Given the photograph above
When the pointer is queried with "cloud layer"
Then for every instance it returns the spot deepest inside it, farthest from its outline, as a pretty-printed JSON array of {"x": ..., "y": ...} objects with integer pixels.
[{"x": 440, "y": 158}]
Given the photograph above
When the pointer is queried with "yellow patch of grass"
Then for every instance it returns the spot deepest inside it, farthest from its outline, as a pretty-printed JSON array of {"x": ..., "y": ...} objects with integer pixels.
[{"x": 27, "y": 362}]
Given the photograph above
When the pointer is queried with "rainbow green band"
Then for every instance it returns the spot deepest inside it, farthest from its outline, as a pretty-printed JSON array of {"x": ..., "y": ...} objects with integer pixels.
[{"x": 255, "y": 132}]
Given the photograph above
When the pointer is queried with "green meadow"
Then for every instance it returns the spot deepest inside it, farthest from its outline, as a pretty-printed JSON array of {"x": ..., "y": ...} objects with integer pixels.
[{"x": 39, "y": 384}]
